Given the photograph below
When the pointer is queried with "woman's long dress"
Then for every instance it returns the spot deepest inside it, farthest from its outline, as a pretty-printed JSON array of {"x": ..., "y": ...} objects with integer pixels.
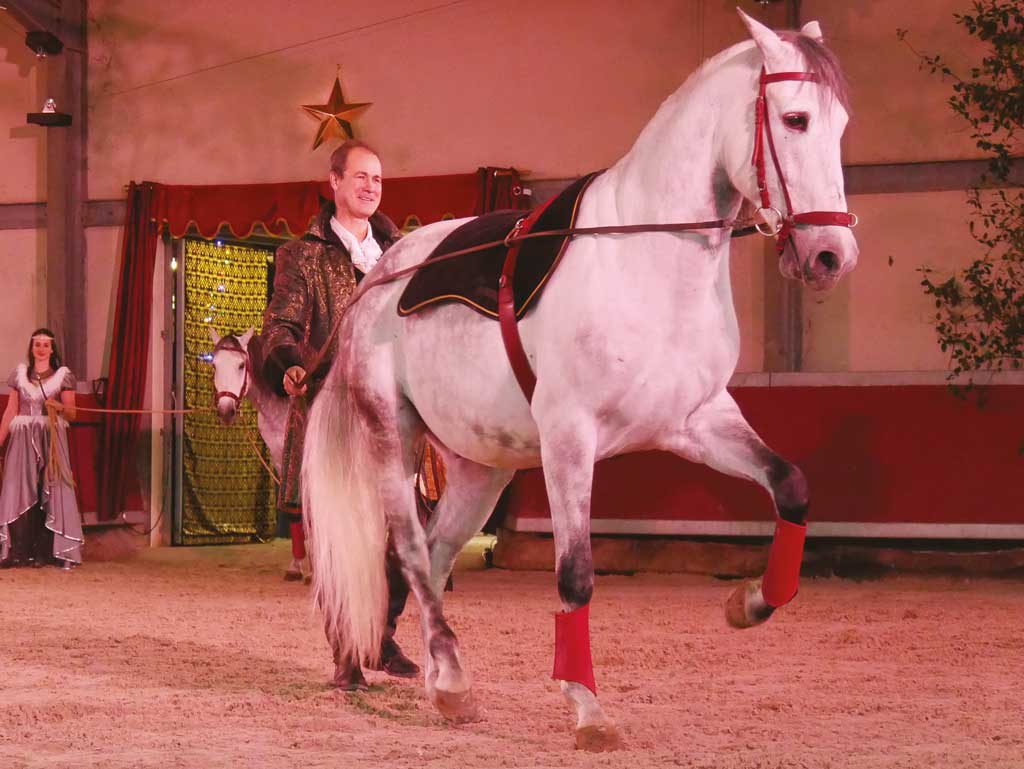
[{"x": 26, "y": 482}]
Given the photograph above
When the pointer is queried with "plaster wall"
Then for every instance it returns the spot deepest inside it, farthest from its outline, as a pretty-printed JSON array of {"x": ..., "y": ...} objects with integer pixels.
[
  {"x": 878, "y": 318},
  {"x": 22, "y": 293},
  {"x": 22, "y": 146},
  {"x": 900, "y": 112},
  {"x": 554, "y": 88}
]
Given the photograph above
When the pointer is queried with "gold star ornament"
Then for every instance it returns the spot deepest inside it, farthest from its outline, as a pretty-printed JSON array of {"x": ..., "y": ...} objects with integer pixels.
[{"x": 334, "y": 116}]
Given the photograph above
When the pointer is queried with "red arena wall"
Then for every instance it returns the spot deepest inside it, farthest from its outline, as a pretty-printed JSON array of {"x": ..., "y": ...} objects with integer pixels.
[{"x": 885, "y": 460}]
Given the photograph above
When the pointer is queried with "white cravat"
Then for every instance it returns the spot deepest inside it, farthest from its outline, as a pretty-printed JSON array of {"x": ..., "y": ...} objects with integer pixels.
[{"x": 364, "y": 254}]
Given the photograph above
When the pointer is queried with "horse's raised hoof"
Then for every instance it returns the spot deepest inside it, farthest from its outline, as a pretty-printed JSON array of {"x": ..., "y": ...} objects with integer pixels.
[
  {"x": 745, "y": 607},
  {"x": 598, "y": 739},
  {"x": 457, "y": 707}
]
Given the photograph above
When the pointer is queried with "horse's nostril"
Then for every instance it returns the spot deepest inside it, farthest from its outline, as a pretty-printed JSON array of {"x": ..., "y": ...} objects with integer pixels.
[{"x": 829, "y": 260}]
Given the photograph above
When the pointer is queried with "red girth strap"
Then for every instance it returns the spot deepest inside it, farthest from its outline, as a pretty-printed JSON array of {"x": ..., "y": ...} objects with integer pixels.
[
  {"x": 572, "y": 648},
  {"x": 507, "y": 306}
]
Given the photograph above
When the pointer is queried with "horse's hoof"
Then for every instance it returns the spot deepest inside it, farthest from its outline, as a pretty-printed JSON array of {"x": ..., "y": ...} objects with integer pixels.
[
  {"x": 293, "y": 576},
  {"x": 458, "y": 707},
  {"x": 598, "y": 739},
  {"x": 745, "y": 607}
]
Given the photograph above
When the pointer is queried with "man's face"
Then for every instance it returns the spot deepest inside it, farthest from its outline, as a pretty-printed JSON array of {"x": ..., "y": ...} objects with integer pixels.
[{"x": 357, "y": 192}]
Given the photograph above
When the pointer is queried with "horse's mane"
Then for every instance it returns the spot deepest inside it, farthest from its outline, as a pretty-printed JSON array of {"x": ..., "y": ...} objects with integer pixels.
[
  {"x": 820, "y": 60},
  {"x": 823, "y": 63},
  {"x": 229, "y": 342}
]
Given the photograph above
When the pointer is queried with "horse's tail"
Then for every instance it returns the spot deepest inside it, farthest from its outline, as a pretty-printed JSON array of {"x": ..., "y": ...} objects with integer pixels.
[{"x": 344, "y": 522}]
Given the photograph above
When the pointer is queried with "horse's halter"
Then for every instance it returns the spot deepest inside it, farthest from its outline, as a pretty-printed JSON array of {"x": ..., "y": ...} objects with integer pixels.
[
  {"x": 783, "y": 225},
  {"x": 236, "y": 347}
]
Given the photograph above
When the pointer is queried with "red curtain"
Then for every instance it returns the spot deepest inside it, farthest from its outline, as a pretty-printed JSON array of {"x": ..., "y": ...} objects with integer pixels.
[
  {"x": 286, "y": 209},
  {"x": 129, "y": 353},
  {"x": 500, "y": 189}
]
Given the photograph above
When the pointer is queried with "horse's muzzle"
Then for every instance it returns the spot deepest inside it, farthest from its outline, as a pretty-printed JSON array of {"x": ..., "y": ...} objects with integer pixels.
[
  {"x": 227, "y": 410},
  {"x": 820, "y": 259}
]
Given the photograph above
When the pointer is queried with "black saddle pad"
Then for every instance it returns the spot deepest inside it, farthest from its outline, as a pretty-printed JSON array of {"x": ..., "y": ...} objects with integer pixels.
[{"x": 472, "y": 279}]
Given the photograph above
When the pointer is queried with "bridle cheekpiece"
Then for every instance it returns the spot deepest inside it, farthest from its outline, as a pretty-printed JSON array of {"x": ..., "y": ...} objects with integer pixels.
[{"x": 782, "y": 225}]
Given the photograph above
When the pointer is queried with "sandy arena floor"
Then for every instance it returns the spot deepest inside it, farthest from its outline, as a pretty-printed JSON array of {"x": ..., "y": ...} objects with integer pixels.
[{"x": 204, "y": 657}]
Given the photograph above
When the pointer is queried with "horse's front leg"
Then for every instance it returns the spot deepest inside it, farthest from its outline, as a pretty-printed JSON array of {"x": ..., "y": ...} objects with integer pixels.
[
  {"x": 719, "y": 436},
  {"x": 568, "y": 456}
]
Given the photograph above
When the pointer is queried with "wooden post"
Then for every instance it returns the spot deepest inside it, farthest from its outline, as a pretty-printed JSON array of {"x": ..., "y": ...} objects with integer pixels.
[
  {"x": 67, "y": 194},
  {"x": 66, "y": 183}
]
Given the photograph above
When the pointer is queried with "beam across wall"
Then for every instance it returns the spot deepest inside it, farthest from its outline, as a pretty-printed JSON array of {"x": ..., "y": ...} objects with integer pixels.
[{"x": 872, "y": 179}]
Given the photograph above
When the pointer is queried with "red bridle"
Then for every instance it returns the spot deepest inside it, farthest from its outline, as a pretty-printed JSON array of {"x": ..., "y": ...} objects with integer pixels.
[
  {"x": 783, "y": 225},
  {"x": 245, "y": 380}
]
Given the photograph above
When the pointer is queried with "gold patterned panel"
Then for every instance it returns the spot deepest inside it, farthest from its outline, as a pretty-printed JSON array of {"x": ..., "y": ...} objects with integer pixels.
[{"x": 227, "y": 495}]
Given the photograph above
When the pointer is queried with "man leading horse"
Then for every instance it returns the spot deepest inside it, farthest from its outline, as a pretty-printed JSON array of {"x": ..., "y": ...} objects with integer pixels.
[{"x": 314, "y": 280}]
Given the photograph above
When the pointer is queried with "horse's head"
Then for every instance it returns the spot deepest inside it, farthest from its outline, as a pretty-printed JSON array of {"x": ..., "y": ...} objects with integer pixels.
[
  {"x": 796, "y": 176},
  {"x": 231, "y": 372}
]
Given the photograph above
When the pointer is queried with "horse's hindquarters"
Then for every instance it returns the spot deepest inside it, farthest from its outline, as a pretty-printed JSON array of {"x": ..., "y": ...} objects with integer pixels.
[{"x": 457, "y": 376}]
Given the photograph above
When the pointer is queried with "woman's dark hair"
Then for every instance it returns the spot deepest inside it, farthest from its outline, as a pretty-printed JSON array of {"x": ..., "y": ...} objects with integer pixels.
[{"x": 55, "y": 361}]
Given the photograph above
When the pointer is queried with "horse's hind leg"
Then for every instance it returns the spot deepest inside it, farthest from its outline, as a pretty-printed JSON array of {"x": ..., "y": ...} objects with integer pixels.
[
  {"x": 470, "y": 494},
  {"x": 447, "y": 684},
  {"x": 719, "y": 436},
  {"x": 568, "y": 456}
]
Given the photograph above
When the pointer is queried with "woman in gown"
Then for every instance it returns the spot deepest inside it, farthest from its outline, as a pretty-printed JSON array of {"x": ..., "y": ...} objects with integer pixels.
[{"x": 39, "y": 518}]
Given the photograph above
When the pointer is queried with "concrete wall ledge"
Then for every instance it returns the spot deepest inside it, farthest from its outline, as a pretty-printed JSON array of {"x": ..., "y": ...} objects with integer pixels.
[{"x": 871, "y": 378}]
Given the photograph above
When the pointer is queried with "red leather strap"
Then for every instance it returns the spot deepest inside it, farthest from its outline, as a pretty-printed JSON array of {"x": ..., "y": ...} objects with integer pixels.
[
  {"x": 778, "y": 77},
  {"x": 782, "y": 576},
  {"x": 572, "y": 648},
  {"x": 825, "y": 218},
  {"x": 507, "y": 307}
]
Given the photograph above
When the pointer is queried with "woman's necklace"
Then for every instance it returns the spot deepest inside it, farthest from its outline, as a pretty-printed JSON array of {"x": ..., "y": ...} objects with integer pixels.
[{"x": 39, "y": 376}]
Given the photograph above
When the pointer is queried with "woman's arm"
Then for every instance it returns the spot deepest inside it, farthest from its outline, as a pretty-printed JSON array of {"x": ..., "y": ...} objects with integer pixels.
[{"x": 9, "y": 413}]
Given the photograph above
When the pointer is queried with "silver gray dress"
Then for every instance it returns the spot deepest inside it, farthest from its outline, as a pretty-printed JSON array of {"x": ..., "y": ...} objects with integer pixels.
[{"x": 25, "y": 481}]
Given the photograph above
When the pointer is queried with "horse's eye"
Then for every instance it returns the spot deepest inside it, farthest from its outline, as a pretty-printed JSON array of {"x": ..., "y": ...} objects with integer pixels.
[
  {"x": 241, "y": 366},
  {"x": 796, "y": 121}
]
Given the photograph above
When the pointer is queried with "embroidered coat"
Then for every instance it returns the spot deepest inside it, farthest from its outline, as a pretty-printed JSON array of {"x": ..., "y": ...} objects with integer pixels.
[{"x": 313, "y": 283}]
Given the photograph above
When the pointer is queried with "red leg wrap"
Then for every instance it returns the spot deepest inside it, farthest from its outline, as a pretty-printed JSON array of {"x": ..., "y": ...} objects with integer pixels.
[
  {"x": 782, "y": 577},
  {"x": 572, "y": 648},
  {"x": 298, "y": 541}
]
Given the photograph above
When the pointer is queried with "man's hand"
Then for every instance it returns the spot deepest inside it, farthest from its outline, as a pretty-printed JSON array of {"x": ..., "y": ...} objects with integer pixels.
[{"x": 292, "y": 377}]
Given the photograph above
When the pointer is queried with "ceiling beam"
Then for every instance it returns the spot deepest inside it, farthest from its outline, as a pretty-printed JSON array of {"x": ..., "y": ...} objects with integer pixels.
[{"x": 58, "y": 17}]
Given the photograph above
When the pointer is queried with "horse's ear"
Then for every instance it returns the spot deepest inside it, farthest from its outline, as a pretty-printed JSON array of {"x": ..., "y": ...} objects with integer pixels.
[
  {"x": 214, "y": 335},
  {"x": 772, "y": 48},
  {"x": 244, "y": 338},
  {"x": 812, "y": 29}
]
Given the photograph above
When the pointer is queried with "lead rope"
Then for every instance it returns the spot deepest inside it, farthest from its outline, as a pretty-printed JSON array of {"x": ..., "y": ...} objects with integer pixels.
[{"x": 55, "y": 470}]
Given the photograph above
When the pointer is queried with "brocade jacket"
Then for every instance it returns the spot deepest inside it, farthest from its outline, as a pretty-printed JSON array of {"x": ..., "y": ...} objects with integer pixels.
[{"x": 313, "y": 283}]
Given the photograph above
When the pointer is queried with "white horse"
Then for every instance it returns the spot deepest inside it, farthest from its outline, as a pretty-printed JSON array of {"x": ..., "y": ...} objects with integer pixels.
[
  {"x": 233, "y": 381},
  {"x": 632, "y": 343}
]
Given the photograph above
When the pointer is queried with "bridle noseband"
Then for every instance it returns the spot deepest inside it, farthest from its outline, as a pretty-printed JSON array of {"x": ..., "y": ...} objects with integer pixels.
[
  {"x": 236, "y": 347},
  {"x": 783, "y": 224}
]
